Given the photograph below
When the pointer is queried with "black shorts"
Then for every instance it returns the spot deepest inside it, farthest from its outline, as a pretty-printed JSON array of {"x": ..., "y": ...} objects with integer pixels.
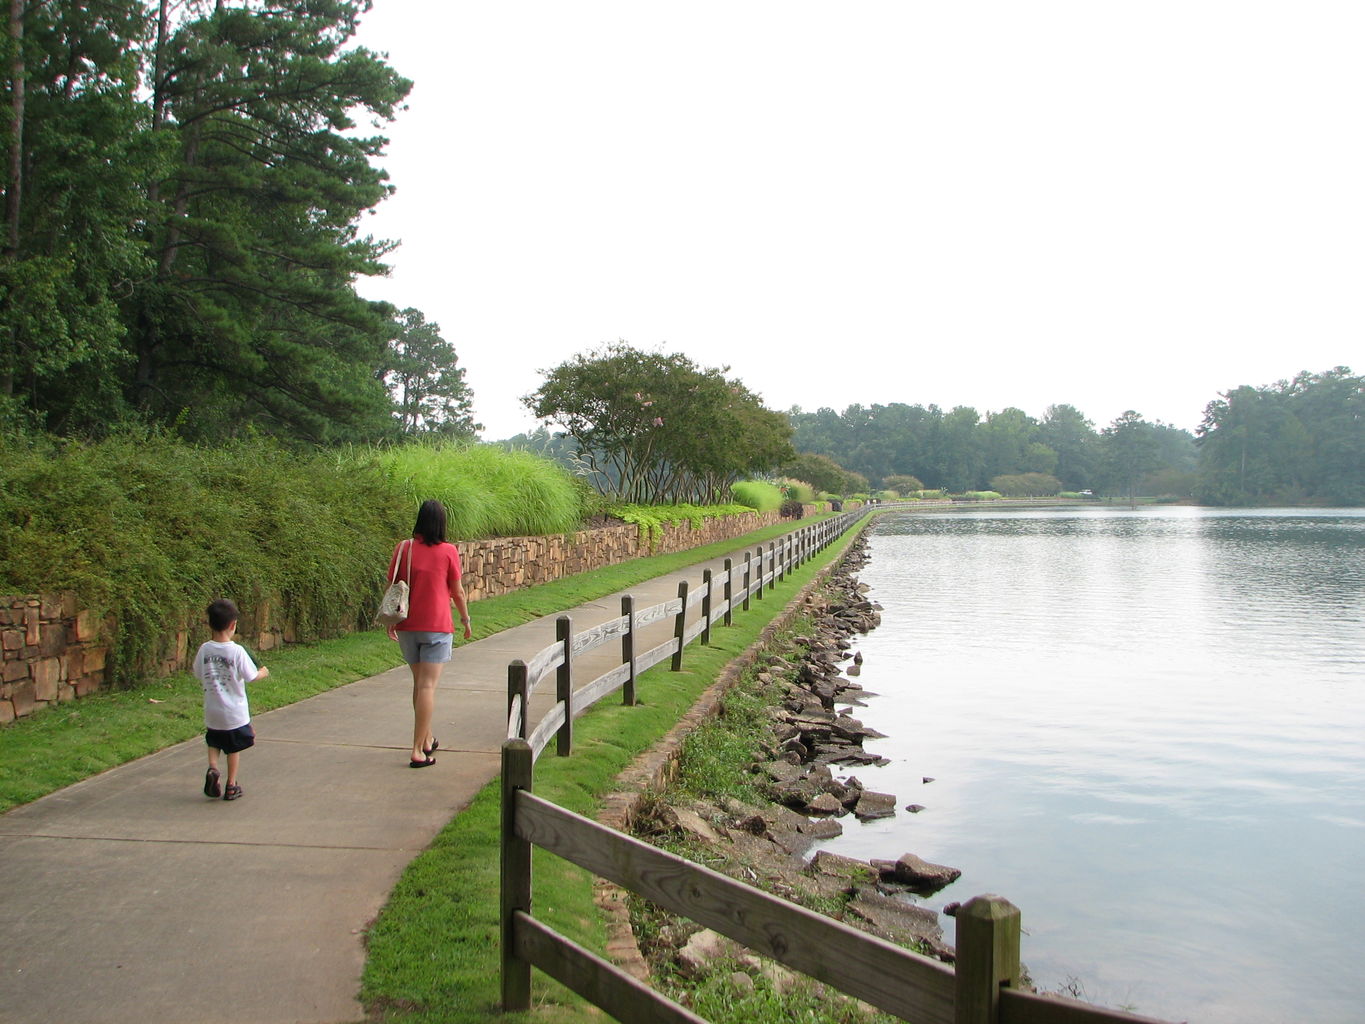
[{"x": 231, "y": 741}]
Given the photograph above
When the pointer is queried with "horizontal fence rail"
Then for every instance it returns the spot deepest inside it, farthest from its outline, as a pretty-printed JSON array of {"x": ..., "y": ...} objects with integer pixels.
[
  {"x": 698, "y": 606},
  {"x": 868, "y": 968}
]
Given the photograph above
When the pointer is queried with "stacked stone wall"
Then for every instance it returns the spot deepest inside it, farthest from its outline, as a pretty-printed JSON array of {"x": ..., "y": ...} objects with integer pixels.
[
  {"x": 52, "y": 651},
  {"x": 503, "y": 564},
  {"x": 56, "y": 651}
]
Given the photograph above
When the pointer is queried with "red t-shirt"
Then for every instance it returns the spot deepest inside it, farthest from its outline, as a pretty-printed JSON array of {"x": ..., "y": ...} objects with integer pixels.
[{"x": 432, "y": 585}]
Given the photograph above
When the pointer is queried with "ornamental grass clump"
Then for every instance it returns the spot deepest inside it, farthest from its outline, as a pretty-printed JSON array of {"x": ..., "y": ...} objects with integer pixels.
[
  {"x": 487, "y": 491},
  {"x": 757, "y": 494},
  {"x": 798, "y": 489}
]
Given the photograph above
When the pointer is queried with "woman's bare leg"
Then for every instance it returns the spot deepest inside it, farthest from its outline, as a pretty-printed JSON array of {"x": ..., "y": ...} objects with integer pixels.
[{"x": 425, "y": 676}]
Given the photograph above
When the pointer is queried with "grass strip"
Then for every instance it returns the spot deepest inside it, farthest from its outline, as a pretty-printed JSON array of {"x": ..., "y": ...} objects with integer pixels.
[
  {"x": 434, "y": 949},
  {"x": 108, "y": 729}
]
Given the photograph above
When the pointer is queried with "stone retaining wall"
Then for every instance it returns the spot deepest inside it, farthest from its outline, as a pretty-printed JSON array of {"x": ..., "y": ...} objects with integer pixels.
[
  {"x": 55, "y": 651},
  {"x": 504, "y": 564},
  {"x": 52, "y": 651}
]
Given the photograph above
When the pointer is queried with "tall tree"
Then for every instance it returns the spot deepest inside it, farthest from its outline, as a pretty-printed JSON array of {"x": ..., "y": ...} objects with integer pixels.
[
  {"x": 1072, "y": 437},
  {"x": 427, "y": 381},
  {"x": 1129, "y": 449},
  {"x": 250, "y": 308},
  {"x": 657, "y": 428},
  {"x": 76, "y": 154},
  {"x": 1292, "y": 441}
]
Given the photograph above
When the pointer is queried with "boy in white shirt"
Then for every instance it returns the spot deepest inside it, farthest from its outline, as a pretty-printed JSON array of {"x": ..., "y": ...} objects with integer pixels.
[{"x": 224, "y": 668}]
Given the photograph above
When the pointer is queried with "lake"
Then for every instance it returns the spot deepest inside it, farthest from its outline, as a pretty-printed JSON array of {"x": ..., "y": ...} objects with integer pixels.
[{"x": 1146, "y": 729}]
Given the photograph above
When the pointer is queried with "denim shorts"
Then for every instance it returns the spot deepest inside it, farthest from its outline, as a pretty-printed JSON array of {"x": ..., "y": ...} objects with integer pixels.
[{"x": 420, "y": 646}]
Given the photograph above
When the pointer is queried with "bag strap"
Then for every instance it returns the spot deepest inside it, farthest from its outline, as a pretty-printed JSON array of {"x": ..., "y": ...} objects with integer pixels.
[{"x": 407, "y": 579}]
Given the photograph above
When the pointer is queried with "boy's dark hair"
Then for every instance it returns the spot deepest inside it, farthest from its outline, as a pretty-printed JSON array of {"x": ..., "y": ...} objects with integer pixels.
[
  {"x": 222, "y": 614},
  {"x": 431, "y": 522}
]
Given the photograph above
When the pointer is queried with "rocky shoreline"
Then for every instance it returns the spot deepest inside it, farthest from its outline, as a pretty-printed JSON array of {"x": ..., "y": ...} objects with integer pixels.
[{"x": 804, "y": 771}]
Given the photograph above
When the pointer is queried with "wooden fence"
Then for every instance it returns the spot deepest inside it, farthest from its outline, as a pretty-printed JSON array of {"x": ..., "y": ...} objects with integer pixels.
[
  {"x": 983, "y": 988},
  {"x": 736, "y": 586}
]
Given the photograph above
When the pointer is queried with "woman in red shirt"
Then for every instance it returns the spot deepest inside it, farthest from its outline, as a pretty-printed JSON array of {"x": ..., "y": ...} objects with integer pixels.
[{"x": 432, "y": 568}]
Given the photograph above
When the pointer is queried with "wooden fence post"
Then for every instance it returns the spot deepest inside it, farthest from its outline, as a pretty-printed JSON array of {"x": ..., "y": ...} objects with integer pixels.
[
  {"x": 628, "y": 650},
  {"x": 748, "y": 570},
  {"x": 564, "y": 686},
  {"x": 518, "y": 685},
  {"x": 516, "y": 875},
  {"x": 772, "y": 557},
  {"x": 680, "y": 626},
  {"x": 987, "y": 958},
  {"x": 780, "y": 570},
  {"x": 729, "y": 590},
  {"x": 708, "y": 584}
]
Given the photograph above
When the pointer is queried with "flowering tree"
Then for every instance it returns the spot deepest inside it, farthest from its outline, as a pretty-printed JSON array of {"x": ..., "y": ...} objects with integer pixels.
[{"x": 656, "y": 428}]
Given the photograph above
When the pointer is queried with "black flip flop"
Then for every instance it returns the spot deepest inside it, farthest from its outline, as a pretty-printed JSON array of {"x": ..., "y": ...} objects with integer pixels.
[
  {"x": 422, "y": 764},
  {"x": 431, "y": 749}
]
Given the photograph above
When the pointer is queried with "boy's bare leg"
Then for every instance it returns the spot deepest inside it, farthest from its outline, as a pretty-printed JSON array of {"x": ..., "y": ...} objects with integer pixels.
[
  {"x": 425, "y": 676},
  {"x": 213, "y": 758},
  {"x": 232, "y": 761}
]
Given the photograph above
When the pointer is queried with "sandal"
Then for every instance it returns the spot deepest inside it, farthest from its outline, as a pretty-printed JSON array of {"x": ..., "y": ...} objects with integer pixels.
[
  {"x": 427, "y": 763},
  {"x": 431, "y": 749},
  {"x": 211, "y": 787},
  {"x": 232, "y": 791}
]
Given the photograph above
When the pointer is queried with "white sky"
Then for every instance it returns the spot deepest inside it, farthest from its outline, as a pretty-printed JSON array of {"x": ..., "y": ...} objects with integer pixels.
[{"x": 1112, "y": 205}]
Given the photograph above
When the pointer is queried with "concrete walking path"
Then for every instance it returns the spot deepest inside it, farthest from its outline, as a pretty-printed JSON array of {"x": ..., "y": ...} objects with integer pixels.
[{"x": 131, "y": 898}]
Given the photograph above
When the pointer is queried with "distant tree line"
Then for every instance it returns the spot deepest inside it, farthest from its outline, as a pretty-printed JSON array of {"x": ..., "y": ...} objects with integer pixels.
[
  {"x": 183, "y": 186},
  {"x": 1300, "y": 440},
  {"x": 1295, "y": 441},
  {"x": 961, "y": 450}
]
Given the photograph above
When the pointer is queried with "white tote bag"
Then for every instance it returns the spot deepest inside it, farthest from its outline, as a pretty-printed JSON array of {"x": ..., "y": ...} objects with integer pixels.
[{"x": 393, "y": 608}]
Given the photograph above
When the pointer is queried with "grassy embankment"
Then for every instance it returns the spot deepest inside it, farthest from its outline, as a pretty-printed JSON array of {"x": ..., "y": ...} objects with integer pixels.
[
  {"x": 434, "y": 948},
  {"x": 714, "y": 766}
]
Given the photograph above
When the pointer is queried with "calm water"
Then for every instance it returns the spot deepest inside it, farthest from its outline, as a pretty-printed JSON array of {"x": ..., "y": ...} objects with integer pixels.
[{"x": 1147, "y": 730}]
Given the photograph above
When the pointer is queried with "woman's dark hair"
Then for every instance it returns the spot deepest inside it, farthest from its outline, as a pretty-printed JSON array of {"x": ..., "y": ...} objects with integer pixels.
[{"x": 431, "y": 522}]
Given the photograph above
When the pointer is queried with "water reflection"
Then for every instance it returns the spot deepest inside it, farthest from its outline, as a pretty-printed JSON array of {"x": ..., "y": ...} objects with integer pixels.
[{"x": 1146, "y": 730}]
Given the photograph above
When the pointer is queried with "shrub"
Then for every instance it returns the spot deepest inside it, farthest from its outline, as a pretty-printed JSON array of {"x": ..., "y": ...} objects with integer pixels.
[
  {"x": 793, "y": 509},
  {"x": 487, "y": 491},
  {"x": 1026, "y": 485},
  {"x": 977, "y": 496},
  {"x": 651, "y": 519},
  {"x": 757, "y": 494},
  {"x": 903, "y": 484},
  {"x": 149, "y": 529},
  {"x": 798, "y": 489}
]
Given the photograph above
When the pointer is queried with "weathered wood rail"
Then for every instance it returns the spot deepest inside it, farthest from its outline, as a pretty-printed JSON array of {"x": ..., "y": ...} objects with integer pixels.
[
  {"x": 716, "y": 596},
  {"x": 982, "y": 988}
]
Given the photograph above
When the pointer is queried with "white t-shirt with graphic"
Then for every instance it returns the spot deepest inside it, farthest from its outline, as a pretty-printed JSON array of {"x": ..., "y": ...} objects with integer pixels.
[{"x": 224, "y": 669}]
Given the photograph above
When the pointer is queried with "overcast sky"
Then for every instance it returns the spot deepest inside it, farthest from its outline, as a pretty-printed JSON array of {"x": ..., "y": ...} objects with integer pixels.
[{"x": 1112, "y": 205}]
